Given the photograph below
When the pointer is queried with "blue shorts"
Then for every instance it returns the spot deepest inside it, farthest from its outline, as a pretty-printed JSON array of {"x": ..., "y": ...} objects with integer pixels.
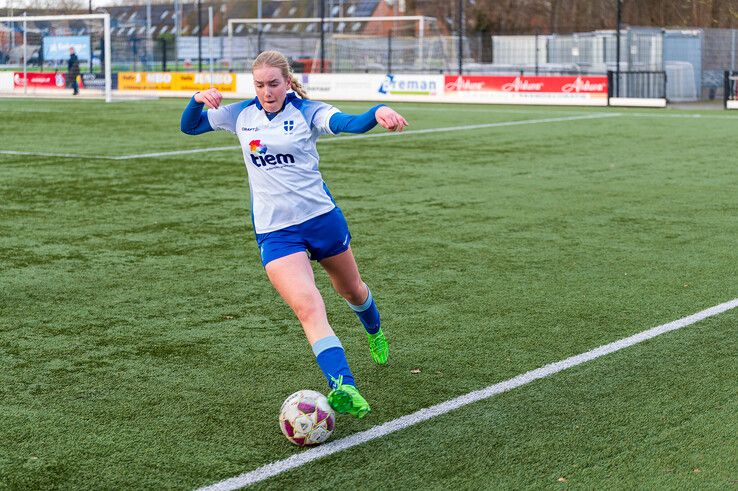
[{"x": 323, "y": 236}]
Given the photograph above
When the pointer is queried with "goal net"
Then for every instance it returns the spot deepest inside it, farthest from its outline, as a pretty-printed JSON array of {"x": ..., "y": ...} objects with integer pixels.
[
  {"x": 350, "y": 44},
  {"x": 35, "y": 55}
]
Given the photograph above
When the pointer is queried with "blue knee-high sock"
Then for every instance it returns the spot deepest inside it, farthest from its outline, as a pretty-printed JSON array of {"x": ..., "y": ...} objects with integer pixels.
[
  {"x": 332, "y": 360},
  {"x": 367, "y": 313}
]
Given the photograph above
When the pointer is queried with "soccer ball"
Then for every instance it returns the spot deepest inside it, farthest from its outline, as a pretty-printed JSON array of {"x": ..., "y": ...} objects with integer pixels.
[{"x": 306, "y": 418}]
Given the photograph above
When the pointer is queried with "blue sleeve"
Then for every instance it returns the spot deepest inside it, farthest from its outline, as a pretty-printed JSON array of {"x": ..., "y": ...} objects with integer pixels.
[
  {"x": 354, "y": 123},
  {"x": 194, "y": 120}
]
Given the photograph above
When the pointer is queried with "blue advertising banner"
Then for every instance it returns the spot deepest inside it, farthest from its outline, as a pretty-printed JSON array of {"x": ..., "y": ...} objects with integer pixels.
[
  {"x": 97, "y": 81},
  {"x": 56, "y": 48}
]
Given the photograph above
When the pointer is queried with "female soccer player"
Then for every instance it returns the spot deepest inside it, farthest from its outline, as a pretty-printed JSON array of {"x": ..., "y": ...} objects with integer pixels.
[{"x": 294, "y": 215}]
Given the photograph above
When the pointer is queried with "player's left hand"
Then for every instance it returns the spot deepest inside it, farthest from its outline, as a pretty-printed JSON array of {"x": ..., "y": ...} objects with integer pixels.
[{"x": 390, "y": 119}]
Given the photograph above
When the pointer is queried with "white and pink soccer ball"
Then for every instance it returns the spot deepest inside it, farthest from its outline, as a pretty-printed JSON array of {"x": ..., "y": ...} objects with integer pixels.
[{"x": 306, "y": 418}]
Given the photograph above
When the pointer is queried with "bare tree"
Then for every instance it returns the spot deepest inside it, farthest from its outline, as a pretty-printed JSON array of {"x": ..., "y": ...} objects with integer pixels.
[{"x": 526, "y": 16}]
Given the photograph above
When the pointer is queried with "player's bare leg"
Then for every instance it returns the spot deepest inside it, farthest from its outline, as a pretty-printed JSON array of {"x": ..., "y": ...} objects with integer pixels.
[{"x": 292, "y": 276}]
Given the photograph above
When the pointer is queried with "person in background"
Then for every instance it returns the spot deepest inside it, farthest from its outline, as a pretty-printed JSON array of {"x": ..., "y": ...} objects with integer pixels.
[{"x": 73, "y": 71}]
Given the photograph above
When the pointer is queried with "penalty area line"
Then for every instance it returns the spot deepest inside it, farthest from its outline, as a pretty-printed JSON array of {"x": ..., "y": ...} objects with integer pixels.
[{"x": 302, "y": 458}]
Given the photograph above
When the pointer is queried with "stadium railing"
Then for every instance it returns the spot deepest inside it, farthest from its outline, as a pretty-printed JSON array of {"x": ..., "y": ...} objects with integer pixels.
[
  {"x": 646, "y": 86},
  {"x": 730, "y": 89}
]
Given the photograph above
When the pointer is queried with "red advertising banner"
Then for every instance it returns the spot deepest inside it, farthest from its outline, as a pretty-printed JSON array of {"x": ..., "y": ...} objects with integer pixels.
[
  {"x": 527, "y": 85},
  {"x": 50, "y": 80}
]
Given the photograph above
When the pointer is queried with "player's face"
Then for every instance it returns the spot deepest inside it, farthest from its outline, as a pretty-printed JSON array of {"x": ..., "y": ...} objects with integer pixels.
[{"x": 271, "y": 87}]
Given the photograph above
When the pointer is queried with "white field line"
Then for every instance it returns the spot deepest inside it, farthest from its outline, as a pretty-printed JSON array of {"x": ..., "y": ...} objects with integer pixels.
[
  {"x": 326, "y": 140},
  {"x": 542, "y": 110},
  {"x": 403, "y": 422},
  {"x": 44, "y": 154},
  {"x": 589, "y": 115},
  {"x": 384, "y": 135},
  {"x": 119, "y": 157},
  {"x": 473, "y": 127},
  {"x": 175, "y": 152}
]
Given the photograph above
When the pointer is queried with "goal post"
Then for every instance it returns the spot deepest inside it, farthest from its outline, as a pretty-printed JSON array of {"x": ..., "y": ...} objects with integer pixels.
[
  {"x": 32, "y": 23},
  {"x": 413, "y": 35}
]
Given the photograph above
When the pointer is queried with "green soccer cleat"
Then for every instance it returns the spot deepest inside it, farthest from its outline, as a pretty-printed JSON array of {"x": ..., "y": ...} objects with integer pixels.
[
  {"x": 346, "y": 399},
  {"x": 379, "y": 347}
]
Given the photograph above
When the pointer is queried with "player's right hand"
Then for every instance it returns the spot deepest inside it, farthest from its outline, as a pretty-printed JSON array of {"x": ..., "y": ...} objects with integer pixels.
[
  {"x": 210, "y": 97},
  {"x": 390, "y": 119}
]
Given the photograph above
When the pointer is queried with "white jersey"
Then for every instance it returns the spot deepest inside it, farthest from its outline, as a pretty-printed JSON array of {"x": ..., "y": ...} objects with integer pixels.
[{"x": 281, "y": 158}]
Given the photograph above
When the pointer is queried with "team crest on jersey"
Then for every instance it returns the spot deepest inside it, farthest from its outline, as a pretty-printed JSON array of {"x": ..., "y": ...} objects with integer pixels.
[
  {"x": 257, "y": 147},
  {"x": 289, "y": 125}
]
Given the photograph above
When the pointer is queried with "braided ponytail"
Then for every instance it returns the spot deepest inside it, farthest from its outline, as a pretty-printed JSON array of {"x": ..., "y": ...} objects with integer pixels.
[{"x": 297, "y": 86}]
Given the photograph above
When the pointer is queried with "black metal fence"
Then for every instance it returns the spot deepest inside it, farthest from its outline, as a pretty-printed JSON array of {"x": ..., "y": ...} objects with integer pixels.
[
  {"x": 730, "y": 87},
  {"x": 637, "y": 84}
]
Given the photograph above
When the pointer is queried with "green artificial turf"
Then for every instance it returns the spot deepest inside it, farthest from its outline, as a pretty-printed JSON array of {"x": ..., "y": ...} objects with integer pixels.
[{"x": 142, "y": 347}]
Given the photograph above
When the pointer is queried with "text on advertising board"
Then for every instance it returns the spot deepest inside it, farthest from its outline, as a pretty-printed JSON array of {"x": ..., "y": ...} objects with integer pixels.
[{"x": 543, "y": 84}]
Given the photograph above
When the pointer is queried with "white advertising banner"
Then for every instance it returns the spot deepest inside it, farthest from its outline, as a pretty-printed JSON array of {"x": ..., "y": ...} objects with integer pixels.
[
  {"x": 6, "y": 82},
  {"x": 340, "y": 86},
  {"x": 245, "y": 85},
  {"x": 372, "y": 87}
]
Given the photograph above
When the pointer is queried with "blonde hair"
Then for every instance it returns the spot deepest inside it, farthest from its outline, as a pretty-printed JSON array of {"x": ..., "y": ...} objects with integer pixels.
[{"x": 277, "y": 60}]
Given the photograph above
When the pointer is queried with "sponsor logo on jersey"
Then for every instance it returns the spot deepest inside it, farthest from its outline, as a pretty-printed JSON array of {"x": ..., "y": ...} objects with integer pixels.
[
  {"x": 260, "y": 157},
  {"x": 257, "y": 147}
]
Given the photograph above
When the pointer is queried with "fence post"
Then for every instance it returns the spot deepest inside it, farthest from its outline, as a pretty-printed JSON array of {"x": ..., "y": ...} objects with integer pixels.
[
  {"x": 25, "y": 56},
  {"x": 617, "y": 45},
  {"x": 199, "y": 36},
  {"x": 664, "y": 86},
  {"x": 135, "y": 52},
  {"x": 461, "y": 37},
  {"x": 163, "y": 54},
  {"x": 726, "y": 88},
  {"x": 389, "y": 51},
  {"x": 609, "y": 86},
  {"x": 322, "y": 36}
]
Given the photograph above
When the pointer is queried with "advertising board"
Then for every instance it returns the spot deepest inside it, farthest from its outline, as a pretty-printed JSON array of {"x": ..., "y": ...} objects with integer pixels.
[
  {"x": 586, "y": 90},
  {"x": 46, "y": 80},
  {"x": 56, "y": 48},
  {"x": 225, "y": 82}
]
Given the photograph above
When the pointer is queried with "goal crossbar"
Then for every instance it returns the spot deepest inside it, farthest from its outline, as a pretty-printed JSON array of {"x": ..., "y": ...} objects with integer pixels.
[
  {"x": 36, "y": 18},
  {"x": 293, "y": 20},
  {"x": 23, "y": 19}
]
